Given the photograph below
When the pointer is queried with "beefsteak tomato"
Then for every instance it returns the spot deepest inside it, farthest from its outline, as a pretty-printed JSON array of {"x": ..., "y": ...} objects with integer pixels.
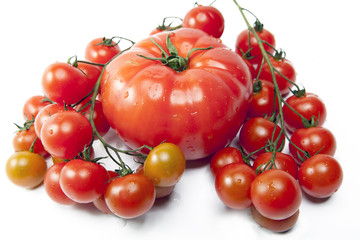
[{"x": 199, "y": 104}]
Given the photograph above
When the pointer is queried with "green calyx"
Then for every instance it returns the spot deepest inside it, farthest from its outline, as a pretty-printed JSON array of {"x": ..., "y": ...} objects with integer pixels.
[{"x": 174, "y": 61}]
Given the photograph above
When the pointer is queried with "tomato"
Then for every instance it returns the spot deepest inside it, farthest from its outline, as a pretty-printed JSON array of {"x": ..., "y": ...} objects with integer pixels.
[
  {"x": 45, "y": 114},
  {"x": 256, "y": 133},
  {"x": 282, "y": 225},
  {"x": 285, "y": 67},
  {"x": 309, "y": 105},
  {"x": 282, "y": 162},
  {"x": 63, "y": 82},
  {"x": 320, "y": 176},
  {"x": 206, "y": 18},
  {"x": 33, "y": 105},
  {"x": 101, "y": 50},
  {"x": 23, "y": 140},
  {"x": 83, "y": 181},
  {"x": 313, "y": 140},
  {"x": 101, "y": 124},
  {"x": 276, "y": 194},
  {"x": 224, "y": 157},
  {"x": 52, "y": 185},
  {"x": 100, "y": 202},
  {"x": 262, "y": 101},
  {"x": 243, "y": 44},
  {"x": 91, "y": 72},
  {"x": 232, "y": 184},
  {"x": 130, "y": 196},
  {"x": 147, "y": 102},
  {"x": 66, "y": 134},
  {"x": 165, "y": 165},
  {"x": 26, "y": 169}
]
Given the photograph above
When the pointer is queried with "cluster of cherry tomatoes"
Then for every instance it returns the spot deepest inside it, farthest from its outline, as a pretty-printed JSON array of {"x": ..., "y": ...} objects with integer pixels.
[{"x": 66, "y": 122}]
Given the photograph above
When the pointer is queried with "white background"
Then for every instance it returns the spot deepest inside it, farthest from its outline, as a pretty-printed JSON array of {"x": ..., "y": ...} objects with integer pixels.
[{"x": 320, "y": 38}]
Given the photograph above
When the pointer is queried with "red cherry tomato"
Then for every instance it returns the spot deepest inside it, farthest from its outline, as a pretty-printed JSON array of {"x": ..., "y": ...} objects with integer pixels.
[
  {"x": 206, "y": 18},
  {"x": 282, "y": 162},
  {"x": 232, "y": 184},
  {"x": 83, "y": 181},
  {"x": 52, "y": 185},
  {"x": 66, "y": 134},
  {"x": 256, "y": 133},
  {"x": 224, "y": 157},
  {"x": 152, "y": 102},
  {"x": 320, "y": 176},
  {"x": 308, "y": 106},
  {"x": 101, "y": 50},
  {"x": 130, "y": 196},
  {"x": 100, "y": 202},
  {"x": 33, "y": 105},
  {"x": 91, "y": 72},
  {"x": 285, "y": 67},
  {"x": 64, "y": 83},
  {"x": 23, "y": 140},
  {"x": 276, "y": 194},
  {"x": 313, "y": 140}
]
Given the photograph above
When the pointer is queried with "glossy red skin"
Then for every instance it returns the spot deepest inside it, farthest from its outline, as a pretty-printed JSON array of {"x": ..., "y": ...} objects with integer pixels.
[
  {"x": 23, "y": 140},
  {"x": 313, "y": 140},
  {"x": 100, "y": 53},
  {"x": 52, "y": 185},
  {"x": 147, "y": 102},
  {"x": 33, "y": 105},
  {"x": 83, "y": 181},
  {"x": 92, "y": 73},
  {"x": 45, "y": 114},
  {"x": 100, "y": 202},
  {"x": 251, "y": 68},
  {"x": 66, "y": 134},
  {"x": 205, "y": 18},
  {"x": 255, "y": 134},
  {"x": 130, "y": 196},
  {"x": 62, "y": 82},
  {"x": 262, "y": 102},
  {"x": 242, "y": 42},
  {"x": 320, "y": 176},
  {"x": 285, "y": 67},
  {"x": 283, "y": 162},
  {"x": 233, "y": 183},
  {"x": 101, "y": 124},
  {"x": 276, "y": 194},
  {"x": 308, "y": 106},
  {"x": 224, "y": 157}
]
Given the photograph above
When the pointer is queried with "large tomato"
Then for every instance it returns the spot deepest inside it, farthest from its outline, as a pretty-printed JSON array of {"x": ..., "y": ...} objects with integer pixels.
[{"x": 199, "y": 106}]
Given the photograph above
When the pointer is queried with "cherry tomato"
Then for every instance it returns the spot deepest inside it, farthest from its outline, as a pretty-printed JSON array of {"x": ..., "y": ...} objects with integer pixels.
[
  {"x": 243, "y": 44},
  {"x": 63, "y": 82},
  {"x": 165, "y": 165},
  {"x": 152, "y": 102},
  {"x": 33, "y": 105},
  {"x": 256, "y": 133},
  {"x": 45, "y": 114},
  {"x": 91, "y": 72},
  {"x": 130, "y": 196},
  {"x": 224, "y": 157},
  {"x": 101, "y": 124},
  {"x": 101, "y": 50},
  {"x": 262, "y": 101},
  {"x": 285, "y": 67},
  {"x": 66, "y": 134},
  {"x": 26, "y": 169},
  {"x": 320, "y": 176},
  {"x": 23, "y": 140},
  {"x": 313, "y": 140},
  {"x": 282, "y": 225},
  {"x": 52, "y": 185},
  {"x": 282, "y": 162},
  {"x": 83, "y": 181},
  {"x": 232, "y": 184},
  {"x": 309, "y": 105},
  {"x": 100, "y": 202},
  {"x": 276, "y": 194},
  {"x": 206, "y": 18}
]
